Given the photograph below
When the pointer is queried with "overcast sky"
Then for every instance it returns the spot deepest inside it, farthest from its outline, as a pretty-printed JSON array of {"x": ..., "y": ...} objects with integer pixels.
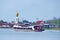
[{"x": 29, "y": 9}]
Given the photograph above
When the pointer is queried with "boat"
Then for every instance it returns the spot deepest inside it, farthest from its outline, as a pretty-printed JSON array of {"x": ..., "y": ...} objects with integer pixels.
[
  {"x": 23, "y": 27},
  {"x": 36, "y": 28}
]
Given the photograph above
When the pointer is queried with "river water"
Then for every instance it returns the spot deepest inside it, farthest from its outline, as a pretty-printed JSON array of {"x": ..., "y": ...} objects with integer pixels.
[{"x": 10, "y": 34}]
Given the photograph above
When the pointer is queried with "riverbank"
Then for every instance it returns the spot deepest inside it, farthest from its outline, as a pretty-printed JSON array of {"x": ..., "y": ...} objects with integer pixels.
[{"x": 52, "y": 28}]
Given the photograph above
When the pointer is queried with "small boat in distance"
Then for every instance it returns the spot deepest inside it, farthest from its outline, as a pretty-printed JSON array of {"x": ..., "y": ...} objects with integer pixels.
[{"x": 36, "y": 28}]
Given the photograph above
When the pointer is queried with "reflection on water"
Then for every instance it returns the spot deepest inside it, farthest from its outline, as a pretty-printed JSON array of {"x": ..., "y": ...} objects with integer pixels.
[{"x": 10, "y": 34}]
